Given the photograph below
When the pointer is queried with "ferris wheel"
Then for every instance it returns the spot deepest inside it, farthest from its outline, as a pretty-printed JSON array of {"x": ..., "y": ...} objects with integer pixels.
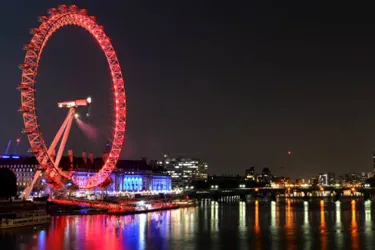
[{"x": 49, "y": 164}]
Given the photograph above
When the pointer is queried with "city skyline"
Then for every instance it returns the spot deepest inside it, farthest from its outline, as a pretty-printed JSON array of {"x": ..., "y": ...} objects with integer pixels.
[
  {"x": 235, "y": 85},
  {"x": 187, "y": 125}
]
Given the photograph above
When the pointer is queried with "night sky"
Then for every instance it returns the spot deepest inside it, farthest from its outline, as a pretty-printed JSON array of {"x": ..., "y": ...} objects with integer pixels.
[{"x": 234, "y": 83}]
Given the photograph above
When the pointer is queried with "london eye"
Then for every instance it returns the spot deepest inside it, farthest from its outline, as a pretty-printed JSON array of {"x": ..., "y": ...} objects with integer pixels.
[{"x": 49, "y": 163}]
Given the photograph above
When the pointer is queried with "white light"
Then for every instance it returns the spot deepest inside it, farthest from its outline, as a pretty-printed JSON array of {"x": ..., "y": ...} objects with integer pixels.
[
  {"x": 89, "y": 99},
  {"x": 76, "y": 115}
]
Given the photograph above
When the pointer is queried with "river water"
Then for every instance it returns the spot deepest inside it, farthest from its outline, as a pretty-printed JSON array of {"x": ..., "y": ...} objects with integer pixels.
[{"x": 254, "y": 225}]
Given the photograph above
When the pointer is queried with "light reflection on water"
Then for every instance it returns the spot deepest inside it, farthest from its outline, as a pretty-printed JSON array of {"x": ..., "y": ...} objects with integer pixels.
[
  {"x": 339, "y": 230},
  {"x": 289, "y": 224},
  {"x": 323, "y": 235},
  {"x": 368, "y": 225}
]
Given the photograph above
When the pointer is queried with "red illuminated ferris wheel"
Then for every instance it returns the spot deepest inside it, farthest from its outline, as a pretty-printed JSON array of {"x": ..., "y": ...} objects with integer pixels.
[{"x": 58, "y": 18}]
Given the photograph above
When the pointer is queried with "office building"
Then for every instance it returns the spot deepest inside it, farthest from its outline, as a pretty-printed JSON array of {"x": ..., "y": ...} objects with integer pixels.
[
  {"x": 184, "y": 170},
  {"x": 326, "y": 179}
]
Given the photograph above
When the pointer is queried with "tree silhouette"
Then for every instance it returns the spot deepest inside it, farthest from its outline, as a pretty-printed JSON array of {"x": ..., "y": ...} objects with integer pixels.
[
  {"x": 266, "y": 171},
  {"x": 8, "y": 183},
  {"x": 371, "y": 181}
]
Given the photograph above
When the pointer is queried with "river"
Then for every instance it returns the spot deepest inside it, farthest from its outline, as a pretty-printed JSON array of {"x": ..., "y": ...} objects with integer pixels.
[{"x": 254, "y": 225}]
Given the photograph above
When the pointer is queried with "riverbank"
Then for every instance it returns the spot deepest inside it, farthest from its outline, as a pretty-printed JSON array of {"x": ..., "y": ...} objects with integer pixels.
[{"x": 75, "y": 206}]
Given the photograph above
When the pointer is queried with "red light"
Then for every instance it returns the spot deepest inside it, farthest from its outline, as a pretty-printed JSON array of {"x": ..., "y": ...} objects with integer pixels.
[
  {"x": 18, "y": 140},
  {"x": 289, "y": 152}
]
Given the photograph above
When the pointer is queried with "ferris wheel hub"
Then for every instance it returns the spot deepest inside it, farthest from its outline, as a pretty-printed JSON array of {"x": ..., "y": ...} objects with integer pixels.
[{"x": 75, "y": 104}]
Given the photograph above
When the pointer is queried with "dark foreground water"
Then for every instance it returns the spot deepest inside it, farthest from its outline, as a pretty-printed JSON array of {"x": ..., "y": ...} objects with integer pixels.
[{"x": 255, "y": 225}]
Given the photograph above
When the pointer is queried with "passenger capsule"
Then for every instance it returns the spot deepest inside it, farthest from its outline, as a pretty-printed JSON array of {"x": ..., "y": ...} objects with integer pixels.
[
  {"x": 83, "y": 12},
  {"x": 34, "y": 31},
  {"x": 33, "y": 150},
  {"x": 52, "y": 11},
  {"x": 43, "y": 19},
  {"x": 23, "y": 86},
  {"x": 93, "y": 18},
  {"x": 63, "y": 8},
  {"x": 24, "y": 109},
  {"x": 73, "y": 8},
  {"x": 24, "y": 66},
  {"x": 28, "y": 47}
]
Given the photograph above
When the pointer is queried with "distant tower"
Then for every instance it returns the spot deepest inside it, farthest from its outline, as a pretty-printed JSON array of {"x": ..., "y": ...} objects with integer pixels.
[
  {"x": 108, "y": 147},
  {"x": 84, "y": 157},
  {"x": 71, "y": 160},
  {"x": 18, "y": 140},
  {"x": 7, "y": 147}
]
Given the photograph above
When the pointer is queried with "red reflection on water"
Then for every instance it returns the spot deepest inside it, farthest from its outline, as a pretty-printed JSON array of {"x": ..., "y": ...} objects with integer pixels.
[
  {"x": 323, "y": 233},
  {"x": 86, "y": 232},
  {"x": 258, "y": 244},
  {"x": 102, "y": 232},
  {"x": 55, "y": 239}
]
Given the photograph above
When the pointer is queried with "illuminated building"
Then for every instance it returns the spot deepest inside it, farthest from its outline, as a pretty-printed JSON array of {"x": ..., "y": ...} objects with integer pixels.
[
  {"x": 265, "y": 177},
  {"x": 323, "y": 179},
  {"x": 280, "y": 181},
  {"x": 185, "y": 170},
  {"x": 313, "y": 181},
  {"x": 23, "y": 167},
  {"x": 129, "y": 175},
  {"x": 354, "y": 178},
  {"x": 250, "y": 174},
  {"x": 128, "y": 182},
  {"x": 202, "y": 174}
]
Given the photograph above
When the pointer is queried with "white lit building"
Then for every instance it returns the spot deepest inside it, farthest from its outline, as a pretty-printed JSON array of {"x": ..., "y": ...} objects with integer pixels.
[
  {"x": 326, "y": 179},
  {"x": 184, "y": 170}
]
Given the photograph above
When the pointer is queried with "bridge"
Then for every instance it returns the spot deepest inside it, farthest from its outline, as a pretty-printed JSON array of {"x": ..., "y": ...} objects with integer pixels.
[{"x": 273, "y": 193}]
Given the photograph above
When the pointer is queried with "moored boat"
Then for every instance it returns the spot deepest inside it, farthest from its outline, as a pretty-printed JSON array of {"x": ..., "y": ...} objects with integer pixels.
[
  {"x": 23, "y": 219},
  {"x": 185, "y": 203}
]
